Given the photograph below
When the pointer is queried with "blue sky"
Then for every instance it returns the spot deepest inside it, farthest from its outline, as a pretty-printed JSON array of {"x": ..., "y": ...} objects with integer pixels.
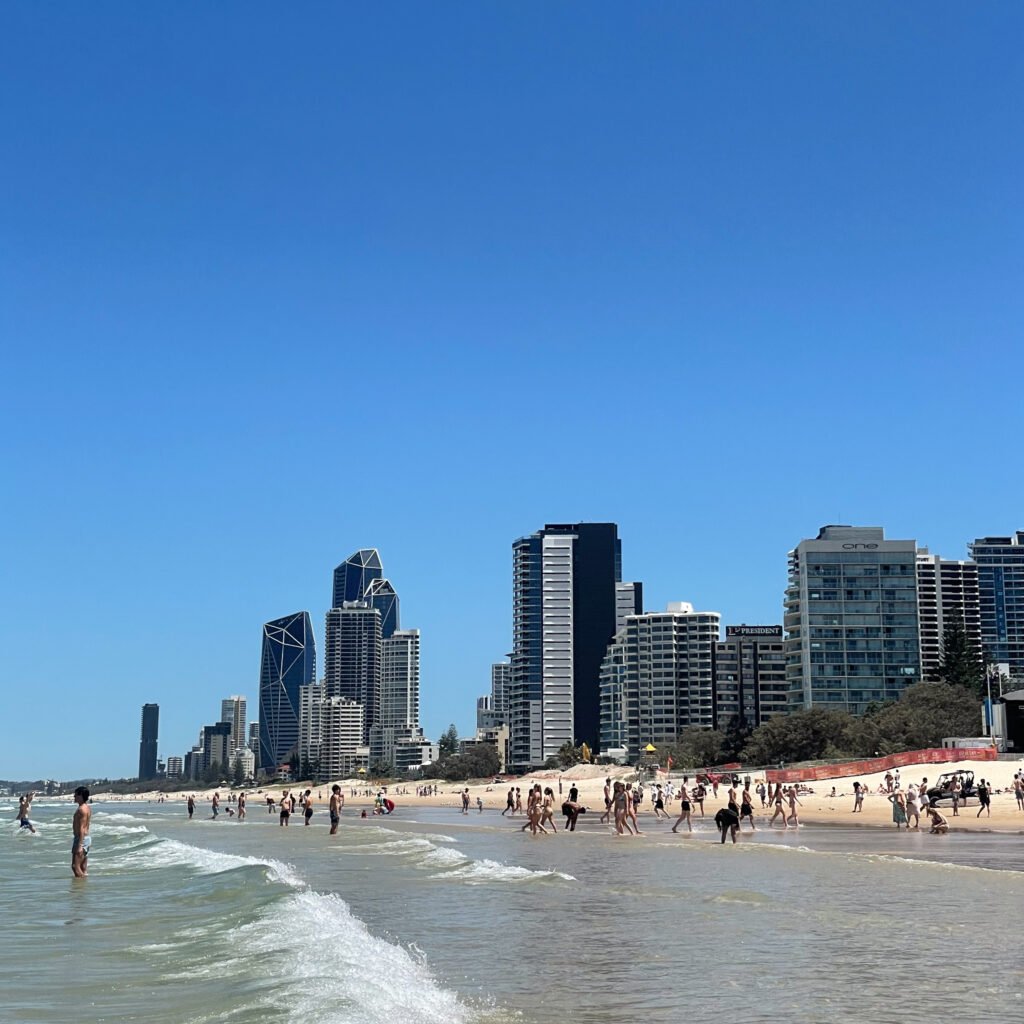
[{"x": 276, "y": 285}]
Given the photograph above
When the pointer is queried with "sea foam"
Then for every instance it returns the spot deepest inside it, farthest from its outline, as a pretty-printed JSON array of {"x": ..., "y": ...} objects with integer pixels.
[{"x": 355, "y": 977}]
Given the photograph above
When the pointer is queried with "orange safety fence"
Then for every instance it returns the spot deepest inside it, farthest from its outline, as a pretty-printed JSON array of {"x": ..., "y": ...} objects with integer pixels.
[{"x": 933, "y": 755}]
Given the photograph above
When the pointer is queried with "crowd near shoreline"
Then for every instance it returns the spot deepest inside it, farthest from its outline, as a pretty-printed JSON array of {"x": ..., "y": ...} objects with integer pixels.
[{"x": 619, "y": 801}]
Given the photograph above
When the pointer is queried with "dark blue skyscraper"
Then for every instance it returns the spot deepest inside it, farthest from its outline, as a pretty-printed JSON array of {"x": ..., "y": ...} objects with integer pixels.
[
  {"x": 148, "y": 740},
  {"x": 382, "y": 596},
  {"x": 288, "y": 661},
  {"x": 353, "y": 577},
  {"x": 1001, "y": 598}
]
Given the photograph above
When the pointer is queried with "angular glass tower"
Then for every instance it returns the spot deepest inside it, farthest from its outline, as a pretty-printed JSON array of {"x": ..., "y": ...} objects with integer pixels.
[
  {"x": 382, "y": 595},
  {"x": 353, "y": 577},
  {"x": 288, "y": 661}
]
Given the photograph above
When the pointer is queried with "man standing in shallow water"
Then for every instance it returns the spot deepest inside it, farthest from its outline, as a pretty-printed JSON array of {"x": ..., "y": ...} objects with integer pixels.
[
  {"x": 24, "y": 809},
  {"x": 82, "y": 841}
]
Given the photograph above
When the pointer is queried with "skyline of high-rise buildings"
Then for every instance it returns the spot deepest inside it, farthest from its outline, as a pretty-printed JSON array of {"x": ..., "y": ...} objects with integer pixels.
[{"x": 864, "y": 617}]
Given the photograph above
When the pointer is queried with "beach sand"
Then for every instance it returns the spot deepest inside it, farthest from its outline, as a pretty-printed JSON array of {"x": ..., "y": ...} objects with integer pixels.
[{"x": 816, "y": 808}]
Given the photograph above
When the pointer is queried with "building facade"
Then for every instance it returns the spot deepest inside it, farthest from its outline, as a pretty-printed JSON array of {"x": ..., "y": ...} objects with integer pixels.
[
  {"x": 287, "y": 662},
  {"x": 564, "y": 607},
  {"x": 399, "y": 718},
  {"x": 629, "y": 600},
  {"x": 501, "y": 684},
  {"x": 232, "y": 709},
  {"x": 657, "y": 678},
  {"x": 947, "y": 591},
  {"x": 311, "y": 700},
  {"x": 343, "y": 726},
  {"x": 750, "y": 676},
  {"x": 148, "y": 740},
  {"x": 216, "y": 748},
  {"x": 1000, "y": 562},
  {"x": 175, "y": 767},
  {"x": 352, "y": 658},
  {"x": 851, "y": 619}
]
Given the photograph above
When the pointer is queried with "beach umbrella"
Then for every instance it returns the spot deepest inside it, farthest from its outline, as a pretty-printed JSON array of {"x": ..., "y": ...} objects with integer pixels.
[
  {"x": 362, "y": 771},
  {"x": 650, "y": 748}
]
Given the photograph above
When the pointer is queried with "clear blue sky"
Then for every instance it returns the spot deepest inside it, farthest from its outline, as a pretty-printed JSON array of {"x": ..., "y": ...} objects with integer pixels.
[{"x": 280, "y": 283}]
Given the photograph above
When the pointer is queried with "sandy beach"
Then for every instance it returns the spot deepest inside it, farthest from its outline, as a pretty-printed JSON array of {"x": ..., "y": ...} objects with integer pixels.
[{"x": 817, "y": 807}]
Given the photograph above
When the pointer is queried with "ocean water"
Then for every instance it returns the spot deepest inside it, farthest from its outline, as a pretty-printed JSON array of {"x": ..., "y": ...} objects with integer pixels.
[{"x": 432, "y": 916}]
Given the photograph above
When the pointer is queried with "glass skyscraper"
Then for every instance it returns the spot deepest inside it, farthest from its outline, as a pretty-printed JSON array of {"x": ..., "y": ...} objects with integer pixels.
[
  {"x": 851, "y": 619},
  {"x": 380, "y": 594},
  {"x": 1000, "y": 562},
  {"x": 148, "y": 741},
  {"x": 353, "y": 577},
  {"x": 288, "y": 661}
]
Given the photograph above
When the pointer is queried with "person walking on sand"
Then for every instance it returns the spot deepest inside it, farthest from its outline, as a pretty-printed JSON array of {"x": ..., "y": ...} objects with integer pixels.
[
  {"x": 607, "y": 800},
  {"x": 684, "y": 807},
  {"x": 899, "y": 808},
  {"x": 510, "y": 802},
  {"x": 519, "y": 801},
  {"x": 747, "y": 808},
  {"x": 985, "y": 799},
  {"x": 190, "y": 805},
  {"x": 659, "y": 803},
  {"x": 480, "y": 804},
  {"x": 955, "y": 789},
  {"x": 793, "y": 818},
  {"x": 307, "y": 809},
  {"x": 80, "y": 828},
  {"x": 780, "y": 810},
  {"x": 761, "y": 792},
  {"x": 1018, "y": 791},
  {"x": 24, "y": 809}
]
